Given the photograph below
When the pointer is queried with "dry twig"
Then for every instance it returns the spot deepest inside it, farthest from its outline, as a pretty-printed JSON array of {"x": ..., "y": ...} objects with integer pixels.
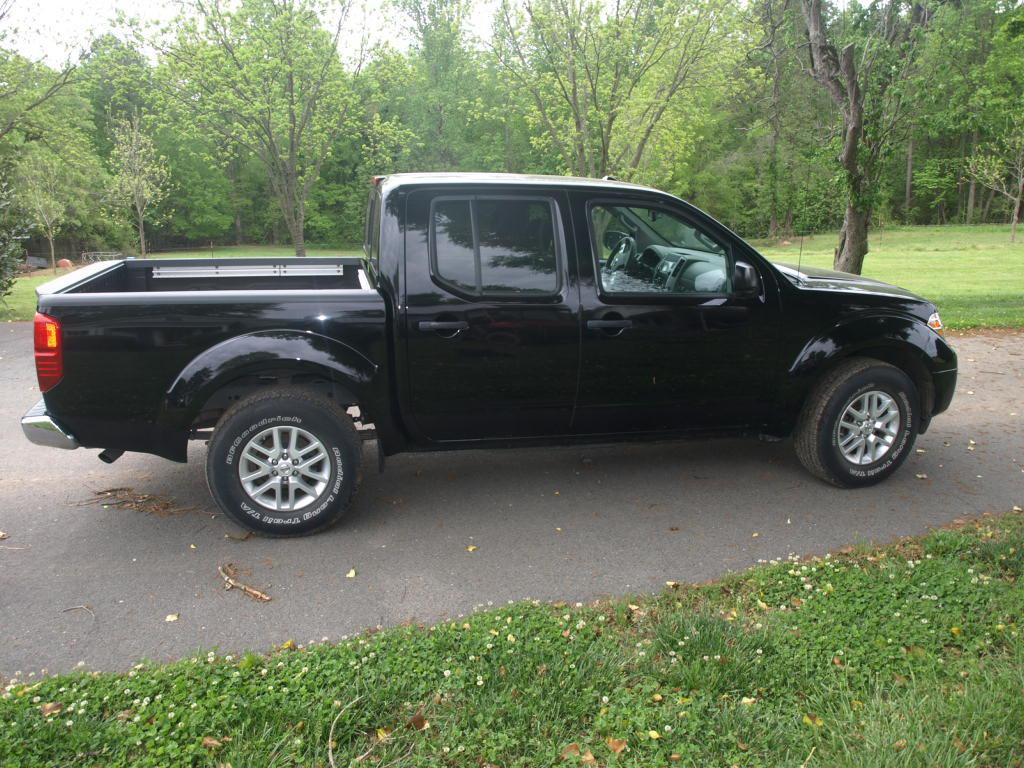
[
  {"x": 128, "y": 498},
  {"x": 228, "y": 573},
  {"x": 85, "y": 608},
  {"x": 330, "y": 734}
]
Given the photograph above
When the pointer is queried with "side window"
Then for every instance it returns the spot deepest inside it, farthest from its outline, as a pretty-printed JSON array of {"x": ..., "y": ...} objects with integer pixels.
[
  {"x": 495, "y": 246},
  {"x": 649, "y": 250}
]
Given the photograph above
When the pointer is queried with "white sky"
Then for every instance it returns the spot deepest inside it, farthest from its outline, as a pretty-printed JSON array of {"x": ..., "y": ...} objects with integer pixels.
[{"x": 55, "y": 30}]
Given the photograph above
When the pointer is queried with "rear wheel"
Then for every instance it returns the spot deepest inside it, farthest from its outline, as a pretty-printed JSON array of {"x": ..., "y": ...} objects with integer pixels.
[
  {"x": 859, "y": 423},
  {"x": 284, "y": 462}
]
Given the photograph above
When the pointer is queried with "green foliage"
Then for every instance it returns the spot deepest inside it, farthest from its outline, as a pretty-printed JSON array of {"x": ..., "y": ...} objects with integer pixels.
[
  {"x": 10, "y": 245},
  {"x": 909, "y": 655},
  {"x": 271, "y": 125}
]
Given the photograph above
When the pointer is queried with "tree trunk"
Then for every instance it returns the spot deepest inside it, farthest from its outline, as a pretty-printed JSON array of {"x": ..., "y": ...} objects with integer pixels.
[
  {"x": 972, "y": 186},
  {"x": 1017, "y": 212},
  {"x": 988, "y": 203},
  {"x": 238, "y": 228},
  {"x": 853, "y": 240},
  {"x": 908, "y": 193},
  {"x": 142, "y": 236},
  {"x": 53, "y": 256}
]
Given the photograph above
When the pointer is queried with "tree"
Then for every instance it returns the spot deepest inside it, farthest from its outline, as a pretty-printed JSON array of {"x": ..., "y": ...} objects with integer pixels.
[
  {"x": 24, "y": 85},
  {"x": 1000, "y": 167},
  {"x": 10, "y": 244},
  {"x": 864, "y": 86},
  {"x": 268, "y": 78},
  {"x": 140, "y": 174},
  {"x": 604, "y": 78},
  {"x": 43, "y": 193}
]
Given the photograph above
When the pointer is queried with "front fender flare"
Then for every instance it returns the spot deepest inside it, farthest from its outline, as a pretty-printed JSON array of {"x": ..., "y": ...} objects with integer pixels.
[
  {"x": 261, "y": 350},
  {"x": 898, "y": 333}
]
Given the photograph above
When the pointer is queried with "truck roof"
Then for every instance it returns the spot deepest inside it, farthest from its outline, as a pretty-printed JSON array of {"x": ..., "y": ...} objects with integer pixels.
[{"x": 395, "y": 180}]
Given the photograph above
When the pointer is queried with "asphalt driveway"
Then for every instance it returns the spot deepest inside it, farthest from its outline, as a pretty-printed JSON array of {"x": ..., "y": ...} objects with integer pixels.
[{"x": 84, "y": 583}]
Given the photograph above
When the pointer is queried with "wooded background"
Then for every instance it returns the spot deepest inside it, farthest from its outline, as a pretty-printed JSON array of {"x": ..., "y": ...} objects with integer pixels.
[{"x": 262, "y": 121}]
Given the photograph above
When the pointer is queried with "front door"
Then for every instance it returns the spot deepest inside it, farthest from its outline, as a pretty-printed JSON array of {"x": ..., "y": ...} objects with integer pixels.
[
  {"x": 492, "y": 314},
  {"x": 668, "y": 345}
]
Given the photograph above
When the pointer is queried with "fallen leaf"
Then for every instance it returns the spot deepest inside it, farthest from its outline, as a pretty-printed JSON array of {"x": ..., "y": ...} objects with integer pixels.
[
  {"x": 675, "y": 757},
  {"x": 922, "y": 476},
  {"x": 616, "y": 745},
  {"x": 747, "y": 701},
  {"x": 211, "y": 743},
  {"x": 754, "y": 535},
  {"x": 657, "y": 697},
  {"x": 419, "y": 723},
  {"x": 2, "y": 535},
  {"x": 351, "y": 573},
  {"x": 51, "y": 708},
  {"x": 813, "y": 720},
  {"x": 1016, "y": 508},
  {"x": 900, "y": 745},
  {"x": 654, "y": 735},
  {"x": 588, "y": 758},
  {"x": 742, "y": 745},
  {"x": 472, "y": 548},
  {"x": 172, "y": 617},
  {"x": 674, "y": 528},
  {"x": 955, "y": 631},
  {"x": 672, "y": 584},
  {"x": 287, "y": 645},
  {"x": 836, "y": 661},
  {"x": 569, "y": 751}
]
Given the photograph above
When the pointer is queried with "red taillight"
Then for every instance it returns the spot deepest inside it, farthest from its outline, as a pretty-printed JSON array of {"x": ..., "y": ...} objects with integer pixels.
[{"x": 49, "y": 352}]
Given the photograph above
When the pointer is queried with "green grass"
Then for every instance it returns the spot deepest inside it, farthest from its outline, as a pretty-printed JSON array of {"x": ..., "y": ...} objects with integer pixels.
[
  {"x": 906, "y": 656},
  {"x": 974, "y": 274}
]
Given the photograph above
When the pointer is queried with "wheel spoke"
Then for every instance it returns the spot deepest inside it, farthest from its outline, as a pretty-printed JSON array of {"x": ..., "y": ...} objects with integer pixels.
[
  {"x": 284, "y": 468},
  {"x": 868, "y": 427}
]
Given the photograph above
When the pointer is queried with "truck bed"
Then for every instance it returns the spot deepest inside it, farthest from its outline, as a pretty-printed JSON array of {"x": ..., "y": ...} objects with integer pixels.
[
  {"x": 136, "y": 332},
  {"x": 132, "y": 276}
]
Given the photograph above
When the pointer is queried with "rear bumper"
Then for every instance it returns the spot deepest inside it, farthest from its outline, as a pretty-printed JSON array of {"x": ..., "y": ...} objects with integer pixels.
[{"x": 41, "y": 429}]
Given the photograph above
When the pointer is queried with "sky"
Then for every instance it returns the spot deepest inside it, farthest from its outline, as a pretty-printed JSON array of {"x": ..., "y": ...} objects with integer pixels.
[{"x": 56, "y": 30}]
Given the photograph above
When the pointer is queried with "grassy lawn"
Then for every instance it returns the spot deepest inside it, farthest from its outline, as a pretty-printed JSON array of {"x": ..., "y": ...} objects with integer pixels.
[
  {"x": 911, "y": 655},
  {"x": 974, "y": 274}
]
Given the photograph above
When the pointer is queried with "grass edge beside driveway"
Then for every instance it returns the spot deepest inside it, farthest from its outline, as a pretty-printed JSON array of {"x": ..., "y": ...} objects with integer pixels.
[{"x": 907, "y": 655}]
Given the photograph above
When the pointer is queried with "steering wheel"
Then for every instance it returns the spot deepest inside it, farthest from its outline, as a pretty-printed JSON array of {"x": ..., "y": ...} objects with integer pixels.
[{"x": 622, "y": 254}]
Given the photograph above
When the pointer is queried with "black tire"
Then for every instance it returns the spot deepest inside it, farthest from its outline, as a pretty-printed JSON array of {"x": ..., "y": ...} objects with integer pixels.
[
  {"x": 316, "y": 415},
  {"x": 816, "y": 434}
]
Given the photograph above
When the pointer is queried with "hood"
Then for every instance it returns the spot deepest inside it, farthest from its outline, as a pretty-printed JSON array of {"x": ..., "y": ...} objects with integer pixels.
[{"x": 816, "y": 279}]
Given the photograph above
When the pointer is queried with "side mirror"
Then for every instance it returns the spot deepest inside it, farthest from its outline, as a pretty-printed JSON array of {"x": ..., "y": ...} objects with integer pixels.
[
  {"x": 612, "y": 238},
  {"x": 745, "y": 280}
]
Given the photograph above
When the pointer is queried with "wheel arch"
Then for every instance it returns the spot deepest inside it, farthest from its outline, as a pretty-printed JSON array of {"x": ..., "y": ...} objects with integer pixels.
[
  {"x": 235, "y": 368},
  {"x": 902, "y": 342}
]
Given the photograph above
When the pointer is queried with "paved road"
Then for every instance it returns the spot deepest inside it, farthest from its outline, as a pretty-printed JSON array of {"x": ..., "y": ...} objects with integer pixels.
[{"x": 565, "y": 523}]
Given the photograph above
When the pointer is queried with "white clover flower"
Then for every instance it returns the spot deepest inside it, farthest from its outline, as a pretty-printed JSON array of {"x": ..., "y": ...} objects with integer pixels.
[{"x": 447, "y": 673}]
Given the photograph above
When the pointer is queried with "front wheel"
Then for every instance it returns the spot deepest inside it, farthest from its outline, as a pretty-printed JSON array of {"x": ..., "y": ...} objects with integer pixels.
[
  {"x": 284, "y": 462},
  {"x": 859, "y": 423}
]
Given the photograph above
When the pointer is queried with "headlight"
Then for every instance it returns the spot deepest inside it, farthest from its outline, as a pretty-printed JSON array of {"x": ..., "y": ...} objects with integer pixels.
[{"x": 935, "y": 323}]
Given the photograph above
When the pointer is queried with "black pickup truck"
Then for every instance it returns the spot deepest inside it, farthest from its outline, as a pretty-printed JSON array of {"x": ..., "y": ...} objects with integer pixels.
[{"x": 489, "y": 310}]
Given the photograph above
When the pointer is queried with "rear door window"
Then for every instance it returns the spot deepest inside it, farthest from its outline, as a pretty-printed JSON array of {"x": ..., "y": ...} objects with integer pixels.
[{"x": 494, "y": 246}]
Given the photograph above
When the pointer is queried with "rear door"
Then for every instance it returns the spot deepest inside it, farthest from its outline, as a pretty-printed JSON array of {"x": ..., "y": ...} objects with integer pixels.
[
  {"x": 668, "y": 345},
  {"x": 492, "y": 313}
]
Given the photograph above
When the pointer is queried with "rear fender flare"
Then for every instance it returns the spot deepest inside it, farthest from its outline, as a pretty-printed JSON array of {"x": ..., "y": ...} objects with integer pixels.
[{"x": 250, "y": 353}]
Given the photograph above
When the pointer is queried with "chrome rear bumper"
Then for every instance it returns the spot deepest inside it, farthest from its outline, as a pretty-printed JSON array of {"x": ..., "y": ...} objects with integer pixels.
[{"x": 42, "y": 430}]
